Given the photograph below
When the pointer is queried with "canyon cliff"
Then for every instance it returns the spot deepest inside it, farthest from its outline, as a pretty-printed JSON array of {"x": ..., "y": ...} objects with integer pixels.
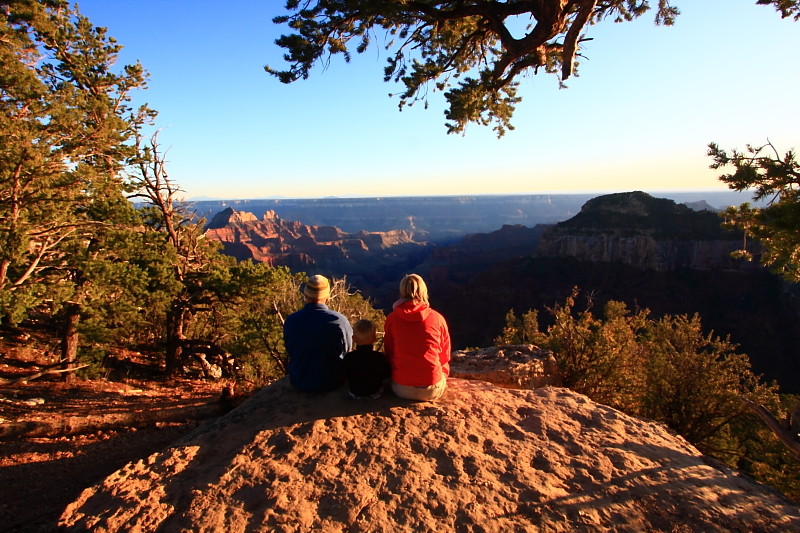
[
  {"x": 639, "y": 230},
  {"x": 361, "y": 256},
  {"x": 647, "y": 252},
  {"x": 437, "y": 219}
]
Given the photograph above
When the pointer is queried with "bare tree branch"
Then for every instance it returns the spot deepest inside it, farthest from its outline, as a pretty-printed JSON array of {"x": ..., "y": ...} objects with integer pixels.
[
  {"x": 52, "y": 369},
  {"x": 780, "y": 431}
]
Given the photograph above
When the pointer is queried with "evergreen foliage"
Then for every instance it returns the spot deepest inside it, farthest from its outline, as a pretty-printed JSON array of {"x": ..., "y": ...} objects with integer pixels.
[
  {"x": 72, "y": 246},
  {"x": 66, "y": 125},
  {"x": 208, "y": 305},
  {"x": 777, "y": 180},
  {"x": 670, "y": 370},
  {"x": 467, "y": 49},
  {"x": 787, "y": 8},
  {"x": 599, "y": 357},
  {"x": 695, "y": 381},
  {"x": 752, "y": 448}
]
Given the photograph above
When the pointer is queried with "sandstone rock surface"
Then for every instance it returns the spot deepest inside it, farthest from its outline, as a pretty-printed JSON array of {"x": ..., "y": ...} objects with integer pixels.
[
  {"x": 512, "y": 367},
  {"x": 483, "y": 458}
]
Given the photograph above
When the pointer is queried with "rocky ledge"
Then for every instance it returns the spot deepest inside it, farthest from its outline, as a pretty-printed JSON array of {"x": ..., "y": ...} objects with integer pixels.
[{"x": 482, "y": 458}]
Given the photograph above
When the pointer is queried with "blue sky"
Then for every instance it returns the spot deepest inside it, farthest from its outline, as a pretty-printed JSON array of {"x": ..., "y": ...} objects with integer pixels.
[{"x": 646, "y": 103}]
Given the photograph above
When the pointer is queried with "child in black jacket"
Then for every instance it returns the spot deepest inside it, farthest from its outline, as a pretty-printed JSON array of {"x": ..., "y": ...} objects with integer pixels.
[{"x": 366, "y": 368}]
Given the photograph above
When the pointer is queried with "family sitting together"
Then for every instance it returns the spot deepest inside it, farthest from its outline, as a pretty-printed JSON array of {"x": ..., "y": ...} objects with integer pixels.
[{"x": 416, "y": 346}]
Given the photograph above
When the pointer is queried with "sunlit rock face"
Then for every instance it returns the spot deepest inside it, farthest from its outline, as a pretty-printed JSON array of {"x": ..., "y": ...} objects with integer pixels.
[
  {"x": 436, "y": 219},
  {"x": 299, "y": 246},
  {"x": 511, "y": 366}
]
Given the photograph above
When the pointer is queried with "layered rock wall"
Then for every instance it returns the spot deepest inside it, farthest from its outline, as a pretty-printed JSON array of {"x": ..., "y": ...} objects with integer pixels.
[
  {"x": 643, "y": 251},
  {"x": 641, "y": 231},
  {"x": 326, "y": 249}
]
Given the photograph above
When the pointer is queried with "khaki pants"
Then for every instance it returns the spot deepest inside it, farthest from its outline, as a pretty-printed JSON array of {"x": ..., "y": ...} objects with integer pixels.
[{"x": 420, "y": 393}]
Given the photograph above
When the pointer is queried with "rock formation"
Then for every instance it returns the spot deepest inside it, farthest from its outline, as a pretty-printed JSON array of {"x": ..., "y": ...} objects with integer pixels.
[
  {"x": 645, "y": 251},
  {"x": 512, "y": 367},
  {"x": 438, "y": 219},
  {"x": 301, "y": 247},
  {"x": 701, "y": 205},
  {"x": 644, "y": 232},
  {"x": 482, "y": 458}
]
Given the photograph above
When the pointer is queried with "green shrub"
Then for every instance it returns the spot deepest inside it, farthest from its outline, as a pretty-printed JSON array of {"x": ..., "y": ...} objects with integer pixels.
[{"x": 669, "y": 370}]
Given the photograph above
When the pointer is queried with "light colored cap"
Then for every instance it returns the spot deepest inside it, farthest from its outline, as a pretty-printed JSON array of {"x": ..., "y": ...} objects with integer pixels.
[{"x": 317, "y": 288}]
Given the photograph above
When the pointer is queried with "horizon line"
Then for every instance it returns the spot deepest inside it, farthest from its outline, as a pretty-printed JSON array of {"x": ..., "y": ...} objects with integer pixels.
[{"x": 682, "y": 190}]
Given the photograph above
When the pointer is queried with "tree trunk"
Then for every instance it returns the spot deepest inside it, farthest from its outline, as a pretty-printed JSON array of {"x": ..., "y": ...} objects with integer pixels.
[
  {"x": 176, "y": 319},
  {"x": 69, "y": 343}
]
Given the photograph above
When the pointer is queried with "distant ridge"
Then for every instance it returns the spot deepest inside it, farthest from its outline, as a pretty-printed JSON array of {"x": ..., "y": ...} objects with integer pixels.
[
  {"x": 638, "y": 212},
  {"x": 631, "y": 247},
  {"x": 440, "y": 219}
]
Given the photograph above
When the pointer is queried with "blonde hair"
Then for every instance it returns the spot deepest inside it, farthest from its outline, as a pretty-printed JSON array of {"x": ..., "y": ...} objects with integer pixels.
[
  {"x": 413, "y": 287},
  {"x": 364, "y": 331}
]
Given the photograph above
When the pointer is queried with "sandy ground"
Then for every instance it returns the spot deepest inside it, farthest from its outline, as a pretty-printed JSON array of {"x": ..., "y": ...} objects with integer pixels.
[
  {"x": 482, "y": 458},
  {"x": 92, "y": 436}
]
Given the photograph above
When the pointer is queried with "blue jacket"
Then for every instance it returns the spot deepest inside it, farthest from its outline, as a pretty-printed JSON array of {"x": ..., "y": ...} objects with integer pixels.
[{"x": 316, "y": 340}]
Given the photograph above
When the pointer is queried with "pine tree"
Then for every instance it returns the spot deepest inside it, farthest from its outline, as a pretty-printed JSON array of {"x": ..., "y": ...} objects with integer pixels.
[
  {"x": 65, "y": 134},
  {"x": 776, "y": 226},
  {"x": 66, "y": 126},
  {"x": 471, "y": 50}
]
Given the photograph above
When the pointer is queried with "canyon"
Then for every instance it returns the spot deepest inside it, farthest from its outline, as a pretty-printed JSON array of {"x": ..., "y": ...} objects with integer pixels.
[
  {"x": 366, "y": 258},
  {"x": 632, "y": 247},
  {"x": 438, "y": 219}
]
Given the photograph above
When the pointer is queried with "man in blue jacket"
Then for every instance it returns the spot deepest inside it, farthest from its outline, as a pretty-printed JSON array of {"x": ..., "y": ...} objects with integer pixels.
[{"x": 316, "y": 339}]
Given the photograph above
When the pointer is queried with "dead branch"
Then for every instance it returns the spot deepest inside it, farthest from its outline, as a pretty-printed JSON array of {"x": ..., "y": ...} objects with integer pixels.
[
  {"x": 780, "y": 431},
  {"x": 282, "y": 364},
  {"x": 52, "y": 369}
]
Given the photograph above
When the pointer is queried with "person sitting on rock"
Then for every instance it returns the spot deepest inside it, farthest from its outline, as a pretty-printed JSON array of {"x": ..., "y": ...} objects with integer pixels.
[
  {"x": 365, "y": 367},
  {"x": 417, "y": 343},
  {"x": 316, "y": 340}
]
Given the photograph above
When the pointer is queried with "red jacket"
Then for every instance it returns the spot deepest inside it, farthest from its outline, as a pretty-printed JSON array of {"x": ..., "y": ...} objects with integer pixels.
[{"x": 417, "y": 344}]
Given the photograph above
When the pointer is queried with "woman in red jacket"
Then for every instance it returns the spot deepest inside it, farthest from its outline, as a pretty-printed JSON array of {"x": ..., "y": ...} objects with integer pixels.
[{"x": 417, "y": 343}]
